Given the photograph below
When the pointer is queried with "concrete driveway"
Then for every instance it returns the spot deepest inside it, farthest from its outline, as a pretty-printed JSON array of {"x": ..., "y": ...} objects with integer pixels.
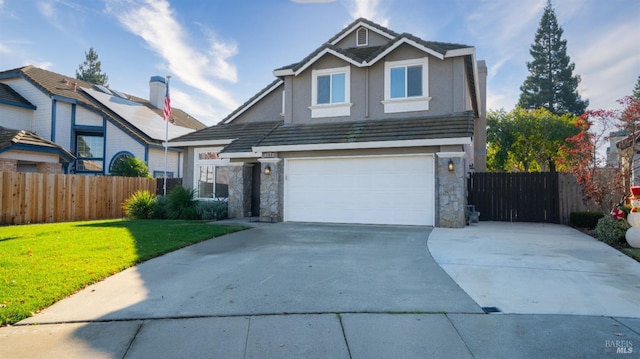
[
  {"x": 303, "y": 291},
  {"x": 538, "y": 268},
  {"x": 273, "y": 269}
]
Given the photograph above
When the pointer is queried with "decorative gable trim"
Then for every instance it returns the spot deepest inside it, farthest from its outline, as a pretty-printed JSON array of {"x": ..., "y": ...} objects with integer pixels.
[
  {"x": 400, "y": 41},
  {"x": 362, "y": 23}
]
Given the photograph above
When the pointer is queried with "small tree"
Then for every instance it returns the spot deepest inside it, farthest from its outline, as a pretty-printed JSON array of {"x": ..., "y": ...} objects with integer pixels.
[
  {"x": 129, "y": 166},
  {"x": 526, "y": 140},
  {"x": 90, "y": 70}
]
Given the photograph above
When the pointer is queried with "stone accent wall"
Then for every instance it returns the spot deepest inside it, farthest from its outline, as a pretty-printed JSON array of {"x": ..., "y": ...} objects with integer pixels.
[
  {"x": 272, "y": 191},
  {"x": 239, "y": 201},
  {"x": 49, "y": 167},
  {"x": 451, "y": 189},
  {"x": 8, "y": 165},
  {"x": 236, "y": 192}
]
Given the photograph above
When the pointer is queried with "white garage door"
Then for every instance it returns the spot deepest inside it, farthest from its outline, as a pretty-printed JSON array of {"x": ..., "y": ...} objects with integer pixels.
[{"x": 373, "y": 190}]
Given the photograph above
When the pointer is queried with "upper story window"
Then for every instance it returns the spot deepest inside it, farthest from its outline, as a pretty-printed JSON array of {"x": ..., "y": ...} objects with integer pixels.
[
  {"x": 362, "y": 37},
  {"x": 90, "y": 153},
  {"x": 330, "y": 92},
  {"x": 406, "y": 86}
]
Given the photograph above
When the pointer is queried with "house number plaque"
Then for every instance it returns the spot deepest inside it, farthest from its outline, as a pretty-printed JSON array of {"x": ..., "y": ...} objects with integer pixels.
[{"x": 270, "y": 155}]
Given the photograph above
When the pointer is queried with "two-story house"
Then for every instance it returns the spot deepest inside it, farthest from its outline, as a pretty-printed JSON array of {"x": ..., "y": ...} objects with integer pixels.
[
  {"x": 57, "y": 124},
  {"x": 372, "y": 127}
]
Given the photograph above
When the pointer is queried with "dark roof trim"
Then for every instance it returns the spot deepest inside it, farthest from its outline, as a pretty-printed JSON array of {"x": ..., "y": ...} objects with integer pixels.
[{"x": 9, "y": 96}]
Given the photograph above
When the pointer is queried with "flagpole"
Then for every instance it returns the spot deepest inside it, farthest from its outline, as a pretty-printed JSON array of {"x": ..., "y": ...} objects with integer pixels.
[{"x": 167, "y": 115}]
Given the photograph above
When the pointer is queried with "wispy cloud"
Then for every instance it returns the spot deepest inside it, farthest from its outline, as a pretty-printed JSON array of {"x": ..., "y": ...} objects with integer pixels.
[
  {"x": 153, "y": 20},
  {"x": 369, "y": 9},
  {"x": 607, "y": 61}
]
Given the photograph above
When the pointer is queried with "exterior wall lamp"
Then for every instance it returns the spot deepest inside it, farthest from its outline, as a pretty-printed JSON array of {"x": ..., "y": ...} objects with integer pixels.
[
  {"x": 450, "y": 166},
  {"x": 267, "y": 170}
]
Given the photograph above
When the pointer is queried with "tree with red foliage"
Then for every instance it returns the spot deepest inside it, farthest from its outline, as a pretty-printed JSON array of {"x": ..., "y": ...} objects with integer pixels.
[{"x": 584, "y": 158}]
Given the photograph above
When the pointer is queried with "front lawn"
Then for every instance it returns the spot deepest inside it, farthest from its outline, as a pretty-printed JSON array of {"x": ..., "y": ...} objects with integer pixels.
[{"x": 43, "y": 263}]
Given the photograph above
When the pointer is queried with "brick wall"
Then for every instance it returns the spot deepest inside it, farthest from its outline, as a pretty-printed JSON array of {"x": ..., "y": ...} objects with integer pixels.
[
  {"x": 8, "y": 165},
  {"x": 48, "y": 167}
]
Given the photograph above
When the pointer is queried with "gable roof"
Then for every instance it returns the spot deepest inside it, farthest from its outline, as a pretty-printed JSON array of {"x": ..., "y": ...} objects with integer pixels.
[
  {"x": 29, "y": 141},
  {"x": 9, "y": 96},
  {"x": 369, "y": 55},
  {"x": 71, "y": 89},
  {"x": 364, "y": 57}
]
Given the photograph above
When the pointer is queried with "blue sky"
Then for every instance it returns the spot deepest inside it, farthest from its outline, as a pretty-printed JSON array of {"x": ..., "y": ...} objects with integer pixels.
[{"x": 221, "y": 52}]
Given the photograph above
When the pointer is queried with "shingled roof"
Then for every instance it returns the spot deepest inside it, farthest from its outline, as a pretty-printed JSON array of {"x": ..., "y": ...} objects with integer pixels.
[
  {"x": 365, "y": 55},
  {"x": 25, "y": 140},
  {"x": 242, "y": 136},
  {"x": 55, "y": 84},
  {"x": 453, "y": 126}
]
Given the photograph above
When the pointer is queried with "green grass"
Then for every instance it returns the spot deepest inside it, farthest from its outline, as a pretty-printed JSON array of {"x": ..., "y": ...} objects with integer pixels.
[
  {"x": 632, "y": 252},
  {"x": 41, "y": 264}
]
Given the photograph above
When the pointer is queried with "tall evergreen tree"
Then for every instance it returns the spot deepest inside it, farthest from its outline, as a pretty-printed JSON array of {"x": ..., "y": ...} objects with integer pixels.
[
  {"x": 551, "y": 83},
  {"x": 90, "y": 70},
  {"x": 636, "y": 90}
]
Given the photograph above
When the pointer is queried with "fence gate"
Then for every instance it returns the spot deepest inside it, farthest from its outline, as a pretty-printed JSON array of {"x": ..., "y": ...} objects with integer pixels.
[{"x": 515, "y": 197}]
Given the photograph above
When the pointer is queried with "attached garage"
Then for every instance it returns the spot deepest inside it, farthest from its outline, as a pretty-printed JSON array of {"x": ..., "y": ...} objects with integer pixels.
[{"x": 395, "y": 189}]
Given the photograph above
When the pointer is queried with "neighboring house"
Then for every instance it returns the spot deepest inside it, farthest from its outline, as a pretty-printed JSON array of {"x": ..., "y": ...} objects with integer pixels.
[
  {"x": 372, "y": 127},
  {"x": 75, "y": 127},
  {"x": 628, "y": 148}
]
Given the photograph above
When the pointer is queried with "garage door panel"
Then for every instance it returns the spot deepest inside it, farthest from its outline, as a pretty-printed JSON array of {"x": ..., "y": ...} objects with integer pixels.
[{"x": 384, "y": 190}]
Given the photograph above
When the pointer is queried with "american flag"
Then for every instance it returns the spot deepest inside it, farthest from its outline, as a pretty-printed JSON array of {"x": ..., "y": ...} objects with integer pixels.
[{"x": 167, "y": 104}]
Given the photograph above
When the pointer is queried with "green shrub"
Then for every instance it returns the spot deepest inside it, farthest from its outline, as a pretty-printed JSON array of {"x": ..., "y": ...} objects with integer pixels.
[
  {"x": 128, "y": 166},
  {"x": 585, "y": 219},
  {"x": 140, "y": 205},
  {"x": 212, "y": 210},
  {"x": 160, "y": 208},
  {"x": 182, "y": 204},
  {"x": 612, "y": 231}
]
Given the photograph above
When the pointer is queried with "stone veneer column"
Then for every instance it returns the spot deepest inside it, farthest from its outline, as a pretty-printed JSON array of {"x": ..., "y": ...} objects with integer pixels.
[
  {"x": 451, "y": 190},
  {"x": 271, "y": 190},
  {"x": 239, "y": 201}
]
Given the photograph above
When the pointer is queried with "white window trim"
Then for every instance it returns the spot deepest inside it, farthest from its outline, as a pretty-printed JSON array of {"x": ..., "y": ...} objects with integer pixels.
[
  {"x": 406, "y": 104},
  {"x": 331, "y": 109},
  {"x": 197, "y": 162}
]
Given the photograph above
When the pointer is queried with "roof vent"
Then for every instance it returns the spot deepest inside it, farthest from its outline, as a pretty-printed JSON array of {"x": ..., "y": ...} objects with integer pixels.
[{"x": 362, "y": 37}]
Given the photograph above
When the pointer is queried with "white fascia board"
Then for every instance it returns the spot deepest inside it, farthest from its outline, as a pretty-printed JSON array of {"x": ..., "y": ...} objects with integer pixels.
[
  {"x": 365, "y": 145},
  {"x": 201, "y": 143},
  {"x": 355, "y": 26},
  {"x": 231, "y": 155},
  {"x": 284, "y": 72},
  {"x": 404, "y": 40},
  {"x": 451, "y": 154},
  {"x": 461, "y": 52},
  {"x": 249, "y": 105}
]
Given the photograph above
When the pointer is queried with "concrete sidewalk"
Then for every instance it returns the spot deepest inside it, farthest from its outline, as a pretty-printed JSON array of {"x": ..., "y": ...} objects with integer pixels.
[{"x": 315, "y": 291}]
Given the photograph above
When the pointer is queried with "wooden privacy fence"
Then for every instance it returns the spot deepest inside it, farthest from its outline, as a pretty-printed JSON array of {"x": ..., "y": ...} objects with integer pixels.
[
  {"x": 40, "y": 197},
  {"x": 526, "y": 197}
]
